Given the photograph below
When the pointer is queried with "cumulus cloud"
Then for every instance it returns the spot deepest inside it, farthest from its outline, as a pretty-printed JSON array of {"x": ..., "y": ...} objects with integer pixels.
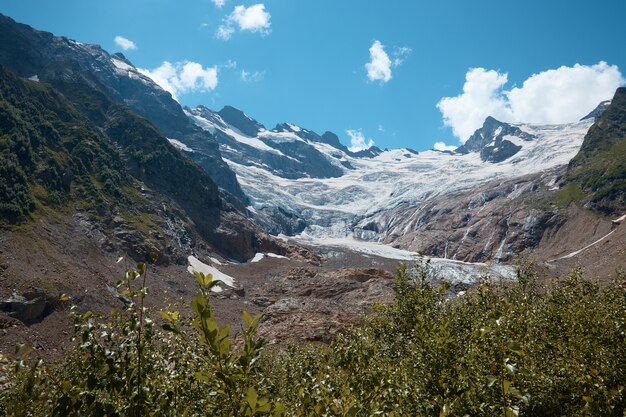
[
  {"x": 379, "y": 66},
  {"x": 358, "y": 142},
  {"x": 183, "y": 77},
  {"x": 441, "y": 146},
  {"x": 219, "y": 3},
  {"x": 554, "y": 96},
  {"x": 482, "y": 96},
  {"x": 253, "y": 19},
  {"x": 251, "y": 77},
  {"x": 125, "y": 44}
]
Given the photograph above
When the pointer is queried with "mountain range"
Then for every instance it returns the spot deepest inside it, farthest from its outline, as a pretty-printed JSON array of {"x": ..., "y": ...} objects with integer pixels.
[{"x": 99, "y": 163}]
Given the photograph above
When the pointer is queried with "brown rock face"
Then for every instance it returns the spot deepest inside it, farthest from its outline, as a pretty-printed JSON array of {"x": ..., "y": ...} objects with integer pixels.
[{"x": 495, "y": 222}]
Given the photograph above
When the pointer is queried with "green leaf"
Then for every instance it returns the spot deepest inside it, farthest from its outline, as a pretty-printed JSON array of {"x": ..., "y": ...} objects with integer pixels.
[
  {"x": 505, "y": 385},
  {"x": 516, "y": 348},
  {"x": 252, "y": 397},
  {"x": 515, "y": 392},
  {"x": 203, "y": 280},
  {"x": 202, "y": 376},
  {"x": 247, "y": 318}
]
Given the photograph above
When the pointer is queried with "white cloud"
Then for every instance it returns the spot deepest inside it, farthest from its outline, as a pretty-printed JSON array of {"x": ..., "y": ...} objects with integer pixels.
[
  {"x": 358, "y": 142},
  {"x": 400, "y": 55},
  {"x": 379, "y": 67},
  {"x": 219, "y": 3},
  {"x": 230, "y": 64},
  {"x": 554, "y": 96},
  {"x": 183, "y": 77},
  {"x": 564, "y": 94},
  {"x": 224, "y": 32},
  {"x": 252, "y": 19},
  {"x": 124, "y": 43},
  {"x": 482, "y": 96},
  {"x": 251, "y": 77},
  {"x": 441, "y": 146}
]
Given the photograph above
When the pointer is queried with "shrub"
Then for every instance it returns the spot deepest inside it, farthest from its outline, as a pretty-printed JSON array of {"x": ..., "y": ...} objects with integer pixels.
[{"x": 525, "y": 348}]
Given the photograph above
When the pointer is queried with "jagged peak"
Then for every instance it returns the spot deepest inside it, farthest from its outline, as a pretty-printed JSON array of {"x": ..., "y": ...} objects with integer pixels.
[
  {"x": 490, "y": 140},
  {"x": 237, "y": 118}
]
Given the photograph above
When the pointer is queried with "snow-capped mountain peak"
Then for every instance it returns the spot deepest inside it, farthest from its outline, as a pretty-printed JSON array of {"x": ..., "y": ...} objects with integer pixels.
[{"x": 496, "y": 141}]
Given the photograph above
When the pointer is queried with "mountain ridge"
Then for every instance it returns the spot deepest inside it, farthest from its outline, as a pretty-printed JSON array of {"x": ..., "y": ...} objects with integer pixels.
[{"x": 29, "y": 52}]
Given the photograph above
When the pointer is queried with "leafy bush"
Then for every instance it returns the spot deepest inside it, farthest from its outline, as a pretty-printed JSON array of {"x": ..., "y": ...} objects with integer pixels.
[{"x": 527, "y": 348}]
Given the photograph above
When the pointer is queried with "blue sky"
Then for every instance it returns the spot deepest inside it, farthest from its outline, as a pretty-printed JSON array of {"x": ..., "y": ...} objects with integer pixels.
[{"x": 304, "y": 61}]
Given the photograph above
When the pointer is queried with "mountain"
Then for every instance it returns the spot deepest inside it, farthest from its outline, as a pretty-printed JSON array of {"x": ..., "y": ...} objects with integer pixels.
[
  {"x": 496, "y": 141},
  {"x": 30, "y": 53},
  {"x": 113, "y": 166},
  {"x": 597, "y": 174},
  {"x": 291, "y": 155},
  {"x": 468, "y": 205},
  {"x": 243, "y": 140}
]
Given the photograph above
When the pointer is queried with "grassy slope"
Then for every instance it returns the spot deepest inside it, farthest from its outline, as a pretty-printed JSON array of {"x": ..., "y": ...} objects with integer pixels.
[
  {"x": 597, "y": 175},
  {"x": 51, "y": 154}
]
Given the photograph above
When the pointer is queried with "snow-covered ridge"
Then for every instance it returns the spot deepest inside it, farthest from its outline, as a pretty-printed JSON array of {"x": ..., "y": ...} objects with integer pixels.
[{"x": 332, "y": 207}]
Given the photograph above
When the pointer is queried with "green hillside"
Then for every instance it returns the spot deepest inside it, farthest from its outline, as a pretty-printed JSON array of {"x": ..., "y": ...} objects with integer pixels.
[
  {"x": 51, "y": 154},
  {"x": 597, "y": 175}
]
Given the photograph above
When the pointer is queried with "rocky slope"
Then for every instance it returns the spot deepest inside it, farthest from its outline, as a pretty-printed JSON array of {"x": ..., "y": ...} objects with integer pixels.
[
  {"x": 114, "y": 166},
  {"x": 85, "y": 181},
  {"x": 30, "y": 53}
]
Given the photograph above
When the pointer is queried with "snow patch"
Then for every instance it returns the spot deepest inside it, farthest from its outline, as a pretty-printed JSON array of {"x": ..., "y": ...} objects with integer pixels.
[
  {"x": 122, "y": 65},
  {"x": 620, "y": 219},
  {"x": 215, "y": 261},
  {"x": 195, "y": 265},
  {"x": 262, "y": 255},
  {"x": 449, "y": 269},
  {"x": 179, "y": 145}
]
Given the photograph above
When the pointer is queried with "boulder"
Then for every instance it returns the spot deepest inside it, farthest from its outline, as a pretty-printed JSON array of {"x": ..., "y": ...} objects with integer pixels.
[{"x": 29, "y": 308}]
